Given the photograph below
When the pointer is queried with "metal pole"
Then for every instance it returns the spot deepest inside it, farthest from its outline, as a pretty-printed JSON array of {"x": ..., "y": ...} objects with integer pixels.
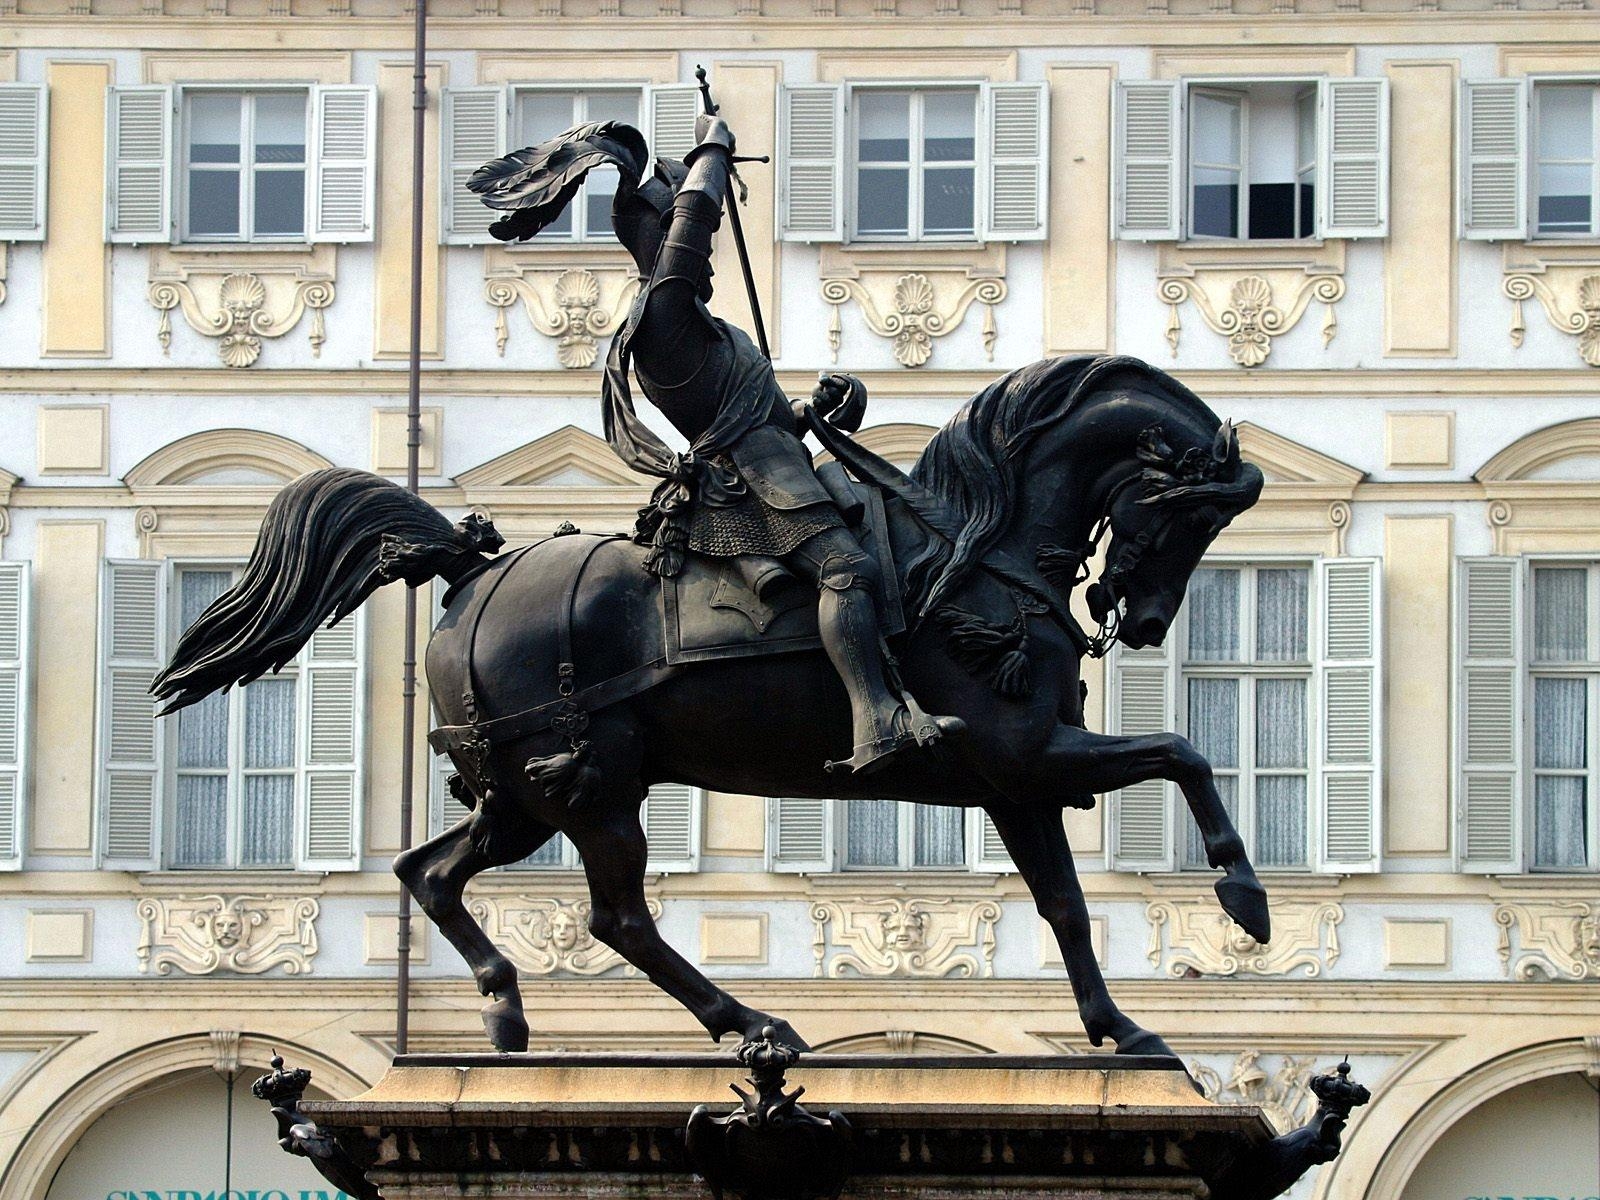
[
  {"x": 408, "y": 687},
  {"x": 227, "y": 1141}
]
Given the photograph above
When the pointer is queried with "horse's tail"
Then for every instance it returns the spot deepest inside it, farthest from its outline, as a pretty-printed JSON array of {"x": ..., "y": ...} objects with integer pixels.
[{"x": 330, "y": 539}]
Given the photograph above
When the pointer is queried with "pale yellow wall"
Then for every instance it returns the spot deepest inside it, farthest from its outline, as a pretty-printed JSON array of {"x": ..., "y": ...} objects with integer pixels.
[
  {"x": 1419, "y": 265},
  {"x": 735, "y": 826},
  {"x": 1417, "y": 569},
  {"x": 77, "y": 265},
  {"x": 748, "y": 95},
  {"x": 391, "y": 289},
  {"x": 386, "y": 629},
  {"x": 66, "y": 583},
  {"x": 1080, "y": 255}
]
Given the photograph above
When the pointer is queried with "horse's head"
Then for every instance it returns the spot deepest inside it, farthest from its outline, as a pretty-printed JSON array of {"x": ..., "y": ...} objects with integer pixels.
[{"x": 1162, "y": 517}]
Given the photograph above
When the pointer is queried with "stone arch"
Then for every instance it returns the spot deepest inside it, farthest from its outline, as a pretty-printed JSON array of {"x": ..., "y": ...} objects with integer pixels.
[
  {"x": 200, "y": 457},
  {"x": 1526, "y": 457},
  {"x": 46, "y": 1145}
]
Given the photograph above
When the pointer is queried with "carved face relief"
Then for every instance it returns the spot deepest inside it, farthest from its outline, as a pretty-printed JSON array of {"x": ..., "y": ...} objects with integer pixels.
[
  {"x": 1588, "y": 940},
  {"x": 566, "y": 930},
  {"x": 905, "y": 930},
  {"x": 1239, "y": 942}
]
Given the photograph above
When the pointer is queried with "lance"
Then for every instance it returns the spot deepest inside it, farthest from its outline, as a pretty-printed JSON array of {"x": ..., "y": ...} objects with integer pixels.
[{"x": 738, "y": 226}]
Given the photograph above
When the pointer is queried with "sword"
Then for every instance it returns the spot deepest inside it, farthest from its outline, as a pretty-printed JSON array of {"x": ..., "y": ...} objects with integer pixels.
[{"x": 738, "y": 226}]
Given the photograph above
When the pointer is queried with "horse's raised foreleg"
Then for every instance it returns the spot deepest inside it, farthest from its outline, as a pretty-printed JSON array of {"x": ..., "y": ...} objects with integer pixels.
[
  {"x": 1038, "y": 845},
  {"x": 436, "y": 873},
  {"x": 614, "y": 852},
  {"x": 1076, "y": 760}
]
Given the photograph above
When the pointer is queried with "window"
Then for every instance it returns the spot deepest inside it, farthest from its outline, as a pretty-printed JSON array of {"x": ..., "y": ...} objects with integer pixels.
[
  {"x": 1564, "y": 687},
  {"x": 1251, "y": 160},
  {"x": 882, "y": 834},
  {"x": 916, "y": 158},
  {"x": 818, "y": 836},
  {"x": 540, "y": 115},
  {"x": 244, "y": 166},
  {"x": 1246, "y": 688},
  {"x": 1564, "y": 168},
  {"x": 24, "y": 126}
]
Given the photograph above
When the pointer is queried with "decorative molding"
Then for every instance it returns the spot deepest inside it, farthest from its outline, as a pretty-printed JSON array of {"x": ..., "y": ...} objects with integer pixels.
[
  {"x": 911, "y": 309},
  {"x": 248, "y": 935},
  {"x": 576, "y": 306},
  {"x": 225, "y": 1052},
  {"x": 1532, "y": 453},
  {"x": 241, "y": 298},
  {"x": 190, "y": 459},
  {"x": 1552, "y": 939},
  {"x": 1201, "y": 940},
  {"x": 929, "y": 938},
  {"x": 1281, "y": 1093},
  {"x": 568, "y": 449},
  {"x": 1565, "y": 280},
  {"x": 902, "y": 1041},
  {"x": 1248, "y": 309},
  {"x": 549, "y": 937}
]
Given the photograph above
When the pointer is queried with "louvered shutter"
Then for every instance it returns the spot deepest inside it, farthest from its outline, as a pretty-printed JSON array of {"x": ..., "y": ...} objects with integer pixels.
[
  {"x": 988, "y": 849},
  {"x": 1488, "y": 699},
  {"x": 672, "y": 827},
  {"x": 23, "y": 173},
  {"x": 1142, "y": 702},
  {"x": 811, "y": 163},
  {"x": 13, "y": 710},
  {"x": 344, "y": 170},
  {"x": 1353, "y": 148},
  {"x": 1016, "y": 180},
  {"x": 1351, "y": 707},
  {"x": 1147, "y": 152},
  {"x": 139, "y": 163},
  {"x": 800, "y": 837},
  {"x": 133, "y": 649},
  {"x": 330, "y": 741},
  {"x": 673, "y": 109},
  {"x": 474, "y": 133},
  {"x": 1492, "y": 140}
]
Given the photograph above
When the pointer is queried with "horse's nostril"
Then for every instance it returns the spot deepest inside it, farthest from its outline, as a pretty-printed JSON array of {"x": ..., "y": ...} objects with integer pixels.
[{"x": 1150, "y": 631}]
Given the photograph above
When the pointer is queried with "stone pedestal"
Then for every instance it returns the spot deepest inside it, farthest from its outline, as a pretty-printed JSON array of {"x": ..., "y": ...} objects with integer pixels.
[{"x": 600, "y": 1125}]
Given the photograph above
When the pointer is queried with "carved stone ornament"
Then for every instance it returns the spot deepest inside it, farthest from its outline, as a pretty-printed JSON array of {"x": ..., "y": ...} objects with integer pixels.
[
  {"x": 1550, "y": 939},
  {"x": 913, "y": 310},
  {"x": 240, "y": 308},
  {"x": 549, "y": 937},
  {"x": 1281, "y": 1090},
  {"x": 921, "y": 938},
  {"x": 1193, "y": 937},
  {"x": 1250, "y": 310},
  {"x": 248, "y": 935},
  {"x": 1571, "y": 303},
  {"x": 576, "y": 306}
]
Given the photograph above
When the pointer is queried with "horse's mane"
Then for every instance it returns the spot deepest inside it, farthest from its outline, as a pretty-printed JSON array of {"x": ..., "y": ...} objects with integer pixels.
[{"x": 975, "y": 462}]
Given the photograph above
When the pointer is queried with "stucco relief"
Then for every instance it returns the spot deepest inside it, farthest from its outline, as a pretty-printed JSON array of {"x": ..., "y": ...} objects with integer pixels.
[
  {"x": 1570, "y": 298},
  {"x": 1253, "y": 308},
  {"x": 1278, "y": 1087},
  {"x": 913, "y": 308},
  {"x": 928, "y": 938},
  {"x": 574, "y": 305},
  {"x": 549, "y": 937},
  {"x": 1550, "y": 939},
  {"x": 241, "y": 306},
  {"x": 1195, "y": 937},
  {"x": 248, "y": 935}
]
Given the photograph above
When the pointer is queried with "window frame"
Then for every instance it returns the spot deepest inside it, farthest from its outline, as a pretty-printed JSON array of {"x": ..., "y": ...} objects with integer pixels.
[
  {"x": 1587, "y": 669},
  {"x": 1250, "y": 672},
  {"x": 581, "y": 234},
  {"x": 916, "y": 166},
  {"x": 247, "y": 169},
  {"x": 1533, "y": 161},
  {"x": 236, "y": 771}
]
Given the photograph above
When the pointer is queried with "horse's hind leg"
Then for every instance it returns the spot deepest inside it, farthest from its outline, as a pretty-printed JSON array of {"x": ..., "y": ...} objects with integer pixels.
[
  {"x": 436, "y": 873},
  {"x": 1038, "y": 845}
]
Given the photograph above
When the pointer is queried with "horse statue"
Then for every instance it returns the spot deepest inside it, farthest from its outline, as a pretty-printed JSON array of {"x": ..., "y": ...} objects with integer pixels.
[{"x": 553, "y": 665}]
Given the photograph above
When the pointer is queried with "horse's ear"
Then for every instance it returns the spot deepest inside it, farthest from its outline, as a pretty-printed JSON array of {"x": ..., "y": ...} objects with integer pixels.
[{"x": 1225, "y": 447}]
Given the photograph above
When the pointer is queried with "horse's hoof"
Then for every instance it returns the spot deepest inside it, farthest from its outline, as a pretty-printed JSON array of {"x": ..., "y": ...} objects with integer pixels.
[
  {"x": 1245, "y": 900},
  {"x": 1145, "y": 1044},
  {"x": 506, "y": 1027}
]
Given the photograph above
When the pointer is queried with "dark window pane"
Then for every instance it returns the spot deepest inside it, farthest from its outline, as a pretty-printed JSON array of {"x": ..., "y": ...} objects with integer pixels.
[
  {"x": 1560, "y": 822},
  {"x": 203, "y": 733},
  {"x": 872, "y": 833},
  {"x": 1560, "y": 616},
  {"x": 280, "y": 132},
  {"x": 1216, "y": 203},
  {"x": 214, "y": 126},
  {"x": 280, "y": 202},
  {"x": 883, "y": 199},
  {"x": 1281, "y": 594},
  {"x": 1281, "y": 723},
  {"x": 884, "y": 127},
  {"x": 1214, "y": 720},
  {"x": 269, "y": 723},
  {"x": 1272, "y": 210},
  {"x": 1214, "y": 615},
  {"x": 214, "y": 203},
  {"x": 266, "y": 827},
  {"x": 1281, "y": 821},
  {"x": 948, "y": 120},
  {"x": 200, "y": 827},
  {"x": 947, "y": 200},
  {"x": 1308, "y": 210},
  {"x": 1560, "y": 723},
  {"x": 940, "y": 840}
]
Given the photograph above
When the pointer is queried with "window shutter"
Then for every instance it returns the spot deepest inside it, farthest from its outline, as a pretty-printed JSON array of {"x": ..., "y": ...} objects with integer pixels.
[
  {"x": 132, "y": 649},
  {"x": 344, "y": 141},
  {"x": 23, "y": 166},
  {"x": 474, "y": 133},
  {"x": 1146, "y": 184},
  {"x": 811, "y": 163},
  {"x": 1492, "y": 138},
  {"x": 331, "y": 747},
  {"x": 1353, "y": 150},
  {"x": 1015, "y": 195},
  {"x": 13, "y": 709},
  {"x": 1488, "y": 697},
  {"x": 800, "y": 837},
  {"x": 139, "y": 164},
  {"x": 1351, "y": 704},
  {"x": 1142, "y": 702},
  {"x": 673, "y": 109},
  {"x": 988, "y": 849},
  {"x": 672, "y": 827}
]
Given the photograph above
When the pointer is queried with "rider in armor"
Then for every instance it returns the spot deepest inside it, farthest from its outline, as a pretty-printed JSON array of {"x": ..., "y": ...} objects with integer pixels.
[{"x": 746, "y": 486}]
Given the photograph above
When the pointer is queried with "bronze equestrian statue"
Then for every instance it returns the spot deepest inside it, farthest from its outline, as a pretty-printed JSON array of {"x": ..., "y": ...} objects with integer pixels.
[{"x": 574, "y": 673}]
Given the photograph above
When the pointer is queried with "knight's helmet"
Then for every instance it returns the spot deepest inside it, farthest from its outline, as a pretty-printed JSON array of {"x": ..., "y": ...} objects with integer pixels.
[{"x": 532, "y": 187}]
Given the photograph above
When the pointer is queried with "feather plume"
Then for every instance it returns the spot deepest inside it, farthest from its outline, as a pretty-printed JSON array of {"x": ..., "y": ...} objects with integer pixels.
[{"x": 534, "y": 186}]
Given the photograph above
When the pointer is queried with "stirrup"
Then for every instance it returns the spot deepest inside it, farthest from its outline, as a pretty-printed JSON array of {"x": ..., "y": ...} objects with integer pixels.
[{"x": 919, "y": 730}]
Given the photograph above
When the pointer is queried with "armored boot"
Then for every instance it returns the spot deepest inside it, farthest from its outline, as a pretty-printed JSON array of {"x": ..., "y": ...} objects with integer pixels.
[{"x": 884, "y": 723}]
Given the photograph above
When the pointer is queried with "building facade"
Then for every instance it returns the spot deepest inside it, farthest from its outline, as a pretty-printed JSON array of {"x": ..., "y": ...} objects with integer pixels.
[{"x": 1369, "y": 232}]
